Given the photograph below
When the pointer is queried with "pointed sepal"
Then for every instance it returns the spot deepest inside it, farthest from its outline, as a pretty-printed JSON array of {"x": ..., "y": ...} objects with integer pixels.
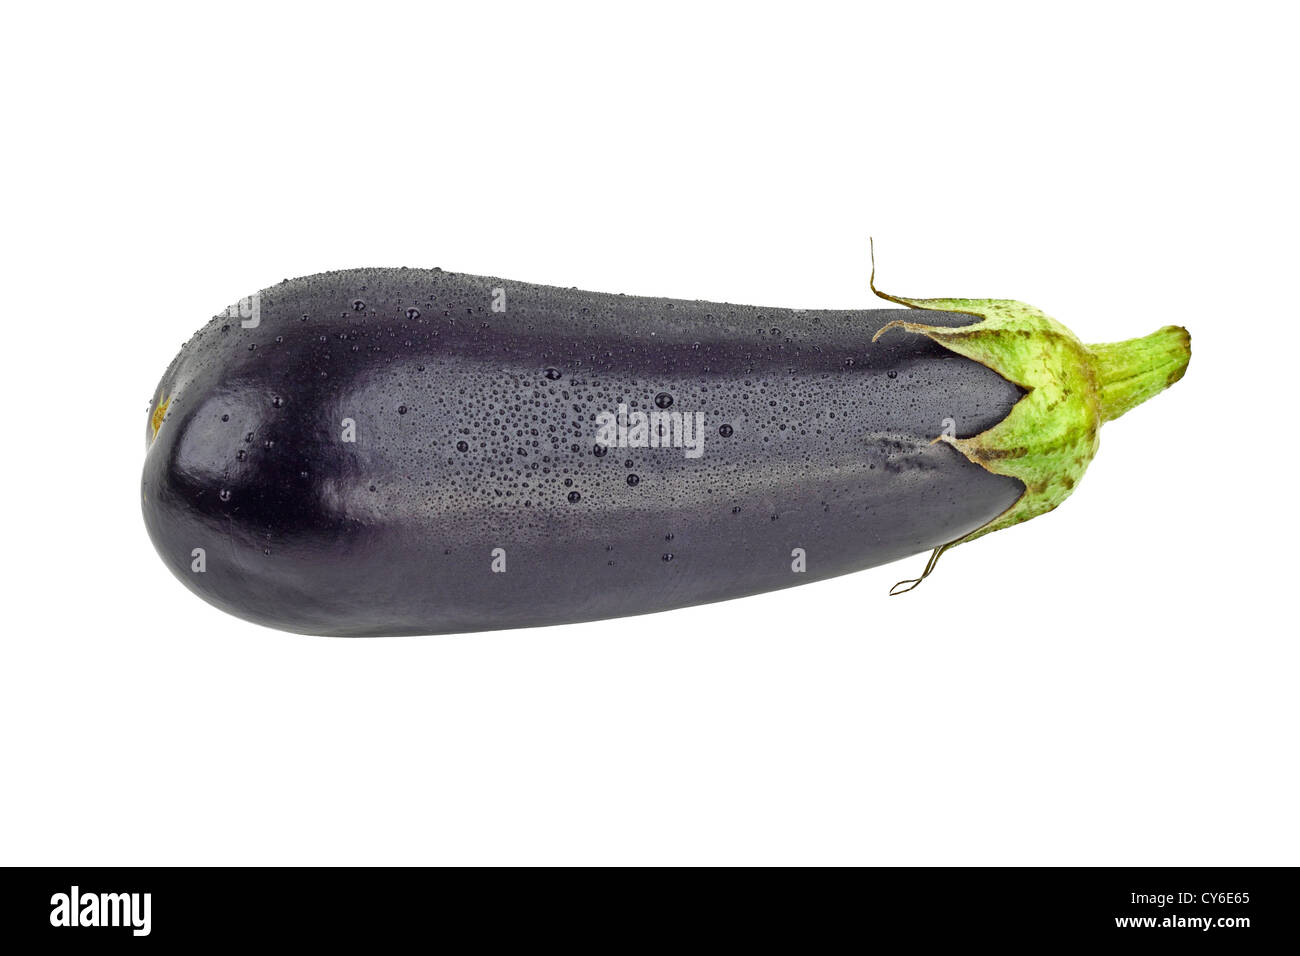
[{"x": 1050, "y": 436}]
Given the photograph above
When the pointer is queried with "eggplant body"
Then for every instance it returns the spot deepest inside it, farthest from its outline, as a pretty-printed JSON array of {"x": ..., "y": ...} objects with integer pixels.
[{"x": 409, "y": 451}]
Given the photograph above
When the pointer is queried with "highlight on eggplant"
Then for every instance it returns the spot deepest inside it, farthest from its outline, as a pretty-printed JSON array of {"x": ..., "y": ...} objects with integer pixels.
[{"x": 412, "y": 451}]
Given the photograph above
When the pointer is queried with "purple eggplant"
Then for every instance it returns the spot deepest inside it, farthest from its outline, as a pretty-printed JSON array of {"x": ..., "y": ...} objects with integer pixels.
[{"x": 412, "y": 451}]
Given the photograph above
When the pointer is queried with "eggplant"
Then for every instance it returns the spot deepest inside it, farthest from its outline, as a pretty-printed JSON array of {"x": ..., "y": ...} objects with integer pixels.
[{"x": 411, "y": 451}]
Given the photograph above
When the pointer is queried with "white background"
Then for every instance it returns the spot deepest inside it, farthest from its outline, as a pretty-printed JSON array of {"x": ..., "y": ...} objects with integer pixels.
[{"x": 1114, "y": 683}]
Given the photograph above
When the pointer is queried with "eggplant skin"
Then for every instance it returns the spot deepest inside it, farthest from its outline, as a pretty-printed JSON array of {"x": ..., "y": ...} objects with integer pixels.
[{"x": 473, "y": 494}]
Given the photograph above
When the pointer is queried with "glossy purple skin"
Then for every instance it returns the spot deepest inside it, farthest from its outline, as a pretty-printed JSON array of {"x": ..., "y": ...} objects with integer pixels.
[{"x": 829, "y": 451}]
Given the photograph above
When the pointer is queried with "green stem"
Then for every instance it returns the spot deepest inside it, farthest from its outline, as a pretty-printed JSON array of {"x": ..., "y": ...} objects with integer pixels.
[{"x": 1130, "y": 372}]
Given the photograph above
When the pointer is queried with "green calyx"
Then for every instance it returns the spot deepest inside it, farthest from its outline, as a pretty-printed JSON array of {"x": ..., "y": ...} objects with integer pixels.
[{"x": 1051, "y": 434}]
